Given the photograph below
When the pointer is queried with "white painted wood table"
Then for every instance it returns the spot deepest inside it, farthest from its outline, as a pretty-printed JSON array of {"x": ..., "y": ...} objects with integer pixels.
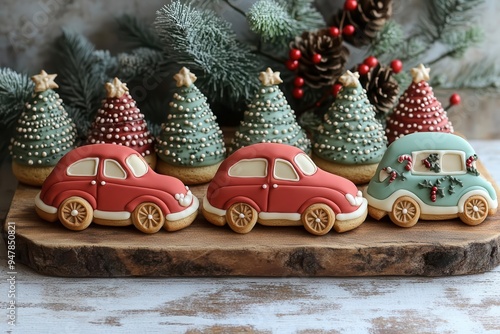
[{"x": 458, "y": 304}]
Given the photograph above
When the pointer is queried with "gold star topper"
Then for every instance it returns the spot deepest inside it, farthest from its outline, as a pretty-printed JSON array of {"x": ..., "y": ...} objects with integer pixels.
[
  {"x": 116, "y": 88},
  {"x": 349, "y": 79},
  {"x": 184, "y": 78},
  {"x": 44, "y": 81},
  {"x": 420, "y": 73},
  {"x": 269, "y": 78}
]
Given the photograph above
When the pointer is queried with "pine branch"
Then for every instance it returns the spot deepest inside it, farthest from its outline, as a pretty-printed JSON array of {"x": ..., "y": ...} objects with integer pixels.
[
  {"x": 82, "y": 74},
  {"x": 305, "y": 15},
  {"x": 139, "y": 63},
  {"x": 137, "y": 34},
  {"x": 480, "y": 74},
  {"x": 270, "y": 20},
  {"x": 15, "y": 90},
  {"x": 208, "y": 47},
  {"x": 389, "y": 41}
]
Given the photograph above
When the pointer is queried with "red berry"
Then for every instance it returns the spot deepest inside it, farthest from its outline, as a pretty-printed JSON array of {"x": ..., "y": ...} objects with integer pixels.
[
  {"x": 348, "y": 30},
  {"x": 434, "y": 188},
  {"x": 371, "y": 61},
  {"x": 295, "y": 54},
  {"x": 298, "y": 82},
  {"x": 397, "y": 66},
  {"x": 455, "y": 99},
  {"x": 316, "y": 58},
  {"x": 350, "y": 5},
  {"x": 363, "y": 69},
  {"x": 298, "y": 93},
  {"x": 334, "y": 31},
  {"x": 336, "y": 89},
  {"x": 292, "y": 65},
  {"x": 433, "y": 198}
]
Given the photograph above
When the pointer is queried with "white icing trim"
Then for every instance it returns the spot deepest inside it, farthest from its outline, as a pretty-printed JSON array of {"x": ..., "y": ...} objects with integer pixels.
[
  {"x": 279, "y": 216},
  {"x": 289, "y": 164},
  {"x": 111, "y": 215},
  {"x": 353, "y": 215},
  {"x": 211, "y": 209},
  {"x": 386, "y": 204},
  {"x": 44, "y": 207},
  {"x": 185, "y": 213}
]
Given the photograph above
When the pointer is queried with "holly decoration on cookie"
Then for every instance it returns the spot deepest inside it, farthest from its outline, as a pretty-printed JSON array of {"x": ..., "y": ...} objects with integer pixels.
[
  {"x": 120, "y": 122},
  {"x": 418, "y": 110},
  {"x": 269, "y": 118},
  {"x": 191, "y": 136},
  {"x": 350, "y": 133},
  {"x": 437, "y": 188},
  {"x": 44, "y": 131}
]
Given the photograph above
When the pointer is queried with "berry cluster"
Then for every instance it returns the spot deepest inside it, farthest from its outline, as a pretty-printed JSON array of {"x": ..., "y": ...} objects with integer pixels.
[
  {"x": 469, "y": 163},
  {"x": 433, "y": 194}
]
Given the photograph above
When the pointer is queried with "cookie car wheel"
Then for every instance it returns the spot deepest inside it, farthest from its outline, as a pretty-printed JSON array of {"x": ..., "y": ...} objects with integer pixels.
[
  {"x": 148, "y": 217},
  {"x": 475, "y": 210},
  {"x": 318, "y": 219},
  {"x": 241, "y": 217},
  {"x": 405, "y": 212},
  {"x": 75, "y": 213}
]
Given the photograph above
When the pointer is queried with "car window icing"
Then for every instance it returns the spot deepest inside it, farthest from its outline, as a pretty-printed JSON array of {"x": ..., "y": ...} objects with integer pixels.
[
  {"x": 283, "y": 170},
  {"x": 83, "y": 167},
  {"x": 249, "y": 168},
  {"x": 305, "y": 164},
  {"x": 137, "y": 165},
  {"x": 112, "y": 169}
]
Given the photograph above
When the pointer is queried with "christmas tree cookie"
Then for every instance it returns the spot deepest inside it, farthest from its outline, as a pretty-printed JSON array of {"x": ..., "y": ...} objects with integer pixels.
[
  {"x": 418, "y": 110},
  {"x": 350, "y": 141},
  {"x": 44, "y": 133},
  {"x": 120, "y": 122},
  {"x": 190, "y": 145},
  {"x": 269, "y": 118}
]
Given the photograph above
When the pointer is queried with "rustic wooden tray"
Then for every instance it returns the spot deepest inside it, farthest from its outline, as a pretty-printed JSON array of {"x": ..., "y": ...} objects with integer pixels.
[{"x": 375, "y": 248}]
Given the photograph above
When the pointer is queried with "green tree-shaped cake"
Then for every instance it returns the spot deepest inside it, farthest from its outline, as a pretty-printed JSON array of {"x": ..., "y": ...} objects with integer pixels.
[
  {"x": 269, "y": 118},
  {"x": 190, "y": 145},
  {"x": 350, "y": 141},
  {"x": 44, "y": 133}
]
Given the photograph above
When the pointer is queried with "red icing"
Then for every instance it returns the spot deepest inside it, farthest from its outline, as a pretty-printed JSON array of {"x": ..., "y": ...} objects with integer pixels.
[
  {"x": 418, "y": 110},
  {"x": 288, "y": 196},
  {"x": 116, "y": 194},
  {"x": 120, "y": 122}
]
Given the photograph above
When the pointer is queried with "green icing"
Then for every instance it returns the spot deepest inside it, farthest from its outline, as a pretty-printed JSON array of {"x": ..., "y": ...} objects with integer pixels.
[
  {"x": 44, "y": 131},
  {"x": 191, "y": 135},
  {"x": 350, "y": 132},
  {"x": 270, "y": 119}
]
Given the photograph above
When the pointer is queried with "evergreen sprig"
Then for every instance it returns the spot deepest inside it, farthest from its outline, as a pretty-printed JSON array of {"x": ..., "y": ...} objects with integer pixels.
[
  {"x": 137, "y": 34},
  {"x": 15, "y": 90},
  {"x": 205, "y": 43},
  {"x": 139, "y": 63},
  {"x": 278, "y": 21},
  {"x": 389, "y": 41},
  {"x": 82, "y": 73},
  {"x": 270, "y": 20}
]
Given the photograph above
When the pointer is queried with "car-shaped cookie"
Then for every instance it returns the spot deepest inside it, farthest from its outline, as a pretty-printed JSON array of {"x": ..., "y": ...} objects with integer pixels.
[
  {"x": 279, "y": 185},
  {"x": 113, "y": 185},
  {"x": 430, "y": 175}
]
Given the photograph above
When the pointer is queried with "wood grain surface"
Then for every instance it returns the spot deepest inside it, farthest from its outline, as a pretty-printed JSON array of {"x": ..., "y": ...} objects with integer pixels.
[{"x": 375, "y": 248}]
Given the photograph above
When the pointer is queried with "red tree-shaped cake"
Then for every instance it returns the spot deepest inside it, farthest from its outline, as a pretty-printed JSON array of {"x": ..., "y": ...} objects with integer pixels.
[
  {"x": 418, "y": 110},
  {"x": 120, "y": 122}
]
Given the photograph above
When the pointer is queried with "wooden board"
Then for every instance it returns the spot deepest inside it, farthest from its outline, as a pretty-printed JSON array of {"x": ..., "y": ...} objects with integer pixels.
[{"x": 375, "y": 248}]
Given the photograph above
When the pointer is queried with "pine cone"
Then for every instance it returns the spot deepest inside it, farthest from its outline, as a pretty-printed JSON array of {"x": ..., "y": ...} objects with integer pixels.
[
  {"x": 333, "y": 57},
  {"x": 368, "y": 18},
  {"x": 382, "y": 89}
]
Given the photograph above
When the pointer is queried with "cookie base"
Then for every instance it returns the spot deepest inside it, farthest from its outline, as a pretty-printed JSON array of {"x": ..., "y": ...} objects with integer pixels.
[
  {"x": 30, "y": 175},
  {"x": 188, "y": 175},
  {"x": 151, "y": 160},
  {"x": 359, "y": 174}
]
